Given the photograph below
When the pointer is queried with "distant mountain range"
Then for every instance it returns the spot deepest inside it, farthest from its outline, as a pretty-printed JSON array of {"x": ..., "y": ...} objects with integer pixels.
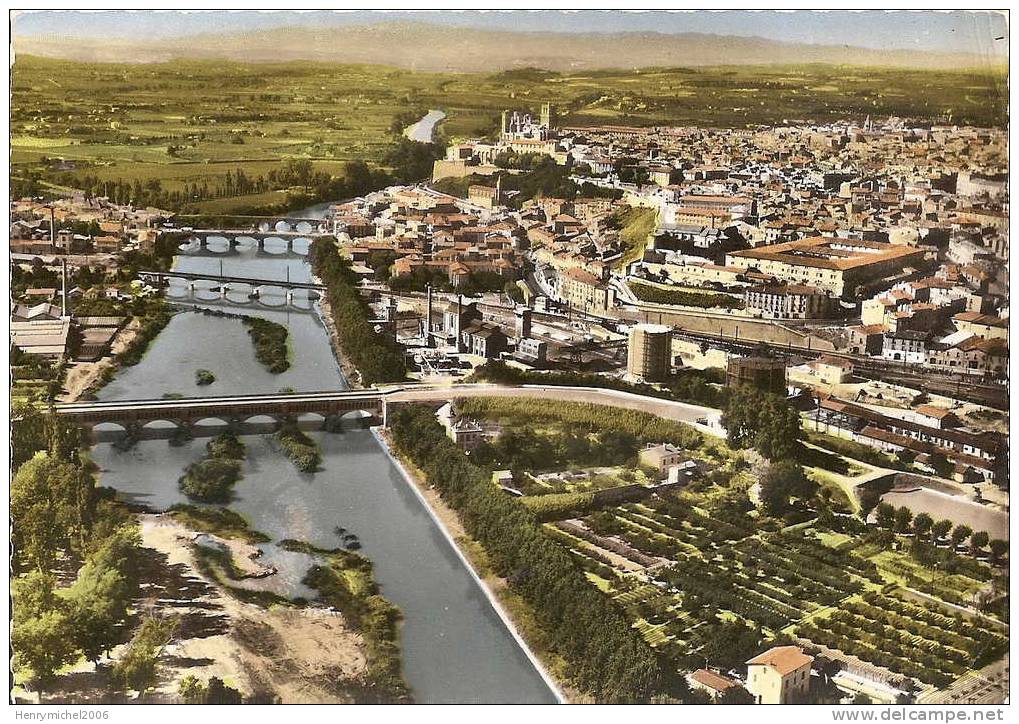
[{"x": 428, "y": 47}]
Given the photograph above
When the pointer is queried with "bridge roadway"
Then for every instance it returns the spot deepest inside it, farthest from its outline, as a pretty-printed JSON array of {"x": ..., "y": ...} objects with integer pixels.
[
  {"x": 160, "y": 276},
  {"x": 185, "y": 412},
  {"x": 255, "y": 233}
]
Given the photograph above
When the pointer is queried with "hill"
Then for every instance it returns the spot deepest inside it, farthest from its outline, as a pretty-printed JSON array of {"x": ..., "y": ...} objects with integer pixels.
[{"x": 427, "y": 47}]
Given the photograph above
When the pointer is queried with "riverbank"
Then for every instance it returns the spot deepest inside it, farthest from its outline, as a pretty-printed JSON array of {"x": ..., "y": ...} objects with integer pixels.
[
  {"x": 515, "y": 613},
  {"x": 296, "y": 655},
  {"x": 347, "y": 368}
]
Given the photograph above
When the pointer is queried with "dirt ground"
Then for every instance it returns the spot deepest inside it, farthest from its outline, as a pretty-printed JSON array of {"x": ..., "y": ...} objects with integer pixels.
[
  {"x": 82, "y": 375},
  {"x": 295, "y": 655}
]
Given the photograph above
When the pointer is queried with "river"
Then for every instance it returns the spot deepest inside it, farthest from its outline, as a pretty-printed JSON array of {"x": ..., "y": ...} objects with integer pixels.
[
  {"x": 424, "y": 130},
  {"x": 456, "y": 648}
]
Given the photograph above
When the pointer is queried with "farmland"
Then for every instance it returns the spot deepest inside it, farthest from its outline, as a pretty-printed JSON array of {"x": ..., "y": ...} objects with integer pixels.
[
  {"x": 708, "y": 578},
  {"x": 186, "y": 125}
]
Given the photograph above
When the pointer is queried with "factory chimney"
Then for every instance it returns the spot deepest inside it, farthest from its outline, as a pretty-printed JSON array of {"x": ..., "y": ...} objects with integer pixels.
[{"x": 63, "y": 288}]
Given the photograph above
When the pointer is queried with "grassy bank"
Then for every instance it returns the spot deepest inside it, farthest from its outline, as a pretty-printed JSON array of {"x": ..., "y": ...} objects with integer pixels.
[
  {"x": 218, "y": 521},
  {"x": 689, "y": 385},
  {"x": 152, "y": 324},
  {"x": 636, "y": 226}
]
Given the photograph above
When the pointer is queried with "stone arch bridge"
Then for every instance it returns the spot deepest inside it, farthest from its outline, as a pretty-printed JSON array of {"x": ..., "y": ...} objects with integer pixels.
[{"x": 185, "y": 414}]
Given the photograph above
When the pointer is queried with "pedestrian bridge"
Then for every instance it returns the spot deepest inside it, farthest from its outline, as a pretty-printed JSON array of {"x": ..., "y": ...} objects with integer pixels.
[{"x": 193, "y": 415}]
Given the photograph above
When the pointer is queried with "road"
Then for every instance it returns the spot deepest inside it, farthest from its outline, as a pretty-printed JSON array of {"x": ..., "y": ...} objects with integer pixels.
[
  {"x": 989, "y": 685},
  {"x": 678, "y": 411}
]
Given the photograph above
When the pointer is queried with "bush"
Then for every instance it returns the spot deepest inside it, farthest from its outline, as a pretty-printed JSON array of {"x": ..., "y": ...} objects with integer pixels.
[
  {"x": 301, "y": 449},
  {"x": 210, "y": 480},
  {"x": 704, "y": 300},
  {"x": 204, "y": 377},
  {"x": 226, "y": 445},
  {"x": 270, "y": 341}
]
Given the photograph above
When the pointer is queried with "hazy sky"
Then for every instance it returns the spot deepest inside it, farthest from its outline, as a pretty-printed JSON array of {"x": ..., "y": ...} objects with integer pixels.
[{"x": 955, "y": 31}]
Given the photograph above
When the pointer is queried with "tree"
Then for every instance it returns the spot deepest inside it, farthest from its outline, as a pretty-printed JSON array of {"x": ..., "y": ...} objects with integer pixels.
[
  {"x": 736, "y": 695},
  {"x": 869, "y": 499},
  {"x": 51, "y": 504},
  {"x": 960, "y": 533},
  {"x": 922, "y": 524},
  {"x": 940, "y": 529},
  {"x": 779, "y": 429},
  {"x": 978, "y": 541},
  {"x": 136, "y": 669},
  {"x": 903, "y": 517},
  {"x": 763, "y": 421},
  {"x": 999, "y": 548},
  {"x": 727, "y": 646},
  {"x": 98, "y": 602},
  {"x": 781, "y": 481},
  {"x": 193, "y": 691},
  {"x": 862, "y": 698},
  {"x": 885, "y": 515},
  {"x": 41, "y": 633}
]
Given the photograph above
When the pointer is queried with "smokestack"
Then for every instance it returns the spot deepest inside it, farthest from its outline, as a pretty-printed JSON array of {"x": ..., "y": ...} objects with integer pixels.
[
  {"x": 53, "y": 227},
  {"x": 428, "y": 316},
  {"x": 63, "y": 287}
]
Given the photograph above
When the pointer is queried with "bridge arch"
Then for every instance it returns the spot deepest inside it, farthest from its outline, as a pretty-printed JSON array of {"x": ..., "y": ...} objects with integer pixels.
[{"x": 212, "y": 424}]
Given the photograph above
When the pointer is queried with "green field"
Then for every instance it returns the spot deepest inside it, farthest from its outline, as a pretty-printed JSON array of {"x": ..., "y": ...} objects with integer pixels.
[{"x": 188, "y": 123}]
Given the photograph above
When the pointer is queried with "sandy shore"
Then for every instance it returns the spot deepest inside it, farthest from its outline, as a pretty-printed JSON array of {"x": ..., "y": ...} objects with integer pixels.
[
  {"x": 299, "y": 655},
  {"x": 294, "y": 655}
]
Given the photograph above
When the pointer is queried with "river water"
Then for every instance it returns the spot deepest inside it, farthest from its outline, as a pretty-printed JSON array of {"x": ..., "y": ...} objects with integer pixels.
[
  {"x": 423, "y": 130},
  {"x": 456, "y": 648}
]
